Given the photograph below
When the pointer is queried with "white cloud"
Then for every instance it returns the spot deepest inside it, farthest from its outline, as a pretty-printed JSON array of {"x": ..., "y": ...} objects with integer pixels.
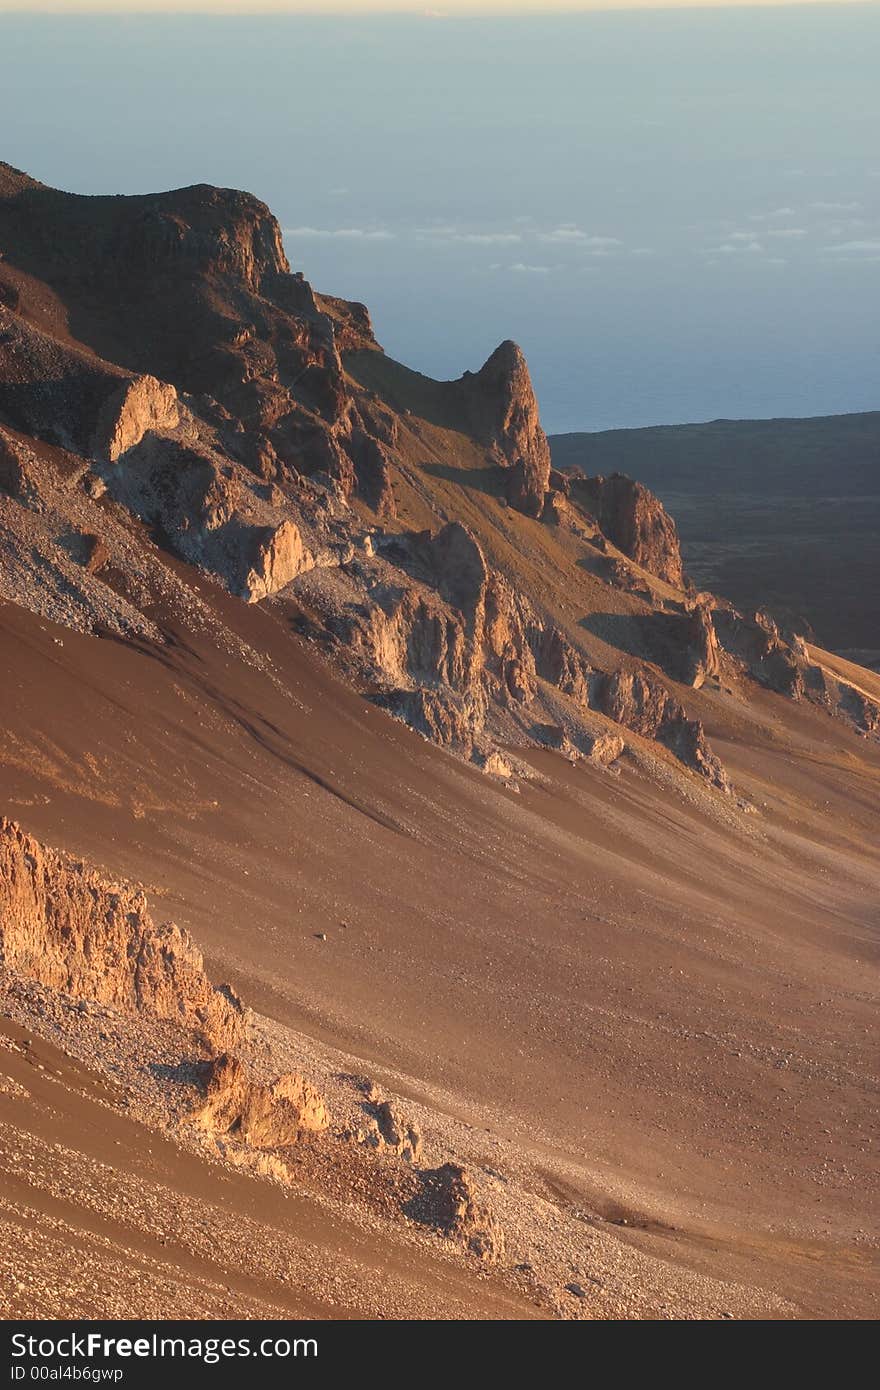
[
  {"x": 790, "y": 232},
  {"x": 772, "y": 216},
  {"x": 736, "y": 248},
  {"x": 340, "y": 233},
  {"x": 850, "y": 224},
  {"x": 871, "y": 246},
  {"x": 454, "y": 233},
  {"x": 836, "y": 207},
  {"x": 486, "y": 238},
  {"x": 570, "y": 234},
  {"x": 520, "y": 268}
]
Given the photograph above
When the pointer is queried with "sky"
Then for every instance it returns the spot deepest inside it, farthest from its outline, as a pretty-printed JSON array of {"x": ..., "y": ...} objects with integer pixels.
[
  {"x": 677, "y": 215},
  {"x": 438, "y": 10}
]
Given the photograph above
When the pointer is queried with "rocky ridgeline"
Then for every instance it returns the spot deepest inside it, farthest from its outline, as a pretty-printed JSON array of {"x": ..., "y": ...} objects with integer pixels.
[{"x": 235, "y": 434}]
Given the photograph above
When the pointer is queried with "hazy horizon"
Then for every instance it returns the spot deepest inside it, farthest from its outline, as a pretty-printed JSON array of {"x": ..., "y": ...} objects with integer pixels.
[
  {"x": 676, "y": 214},
  {"x": 442, "y": 10}
]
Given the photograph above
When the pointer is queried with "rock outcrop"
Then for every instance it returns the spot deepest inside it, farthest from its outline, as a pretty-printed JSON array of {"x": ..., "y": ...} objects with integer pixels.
[
  {"x": 279, "y": 557},
  {"x": 635, "y": 520},
  {"x": 392, "y": 1132},
  {"x": 273, "y": 1116},
  {"x": 701, "y": 651},
  {"x": 755, "y": 641},
  {"x": 449, "y": 1202},
  {"x": 465, "y": 659},
  {"x": 755, "y": 646},
  {"x": 504, "y": 413},
  {"x": 66, "y": 926},
  {"x": 137, "y": 407},
  {"x": 639, "y": 702}
]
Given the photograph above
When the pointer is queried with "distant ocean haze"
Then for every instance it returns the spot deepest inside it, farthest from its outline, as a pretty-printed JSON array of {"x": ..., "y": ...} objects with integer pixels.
[{"x": 676, "y": 214}]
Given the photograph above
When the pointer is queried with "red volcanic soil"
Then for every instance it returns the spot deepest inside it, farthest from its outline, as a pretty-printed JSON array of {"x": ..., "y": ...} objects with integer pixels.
[{"x": 673, "y": 1010}]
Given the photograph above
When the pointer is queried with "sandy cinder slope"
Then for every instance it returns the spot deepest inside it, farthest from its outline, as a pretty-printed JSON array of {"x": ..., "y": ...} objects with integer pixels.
[
  {"x": 103, "y": 1217},
  {"x": 671, "y": 1011}
]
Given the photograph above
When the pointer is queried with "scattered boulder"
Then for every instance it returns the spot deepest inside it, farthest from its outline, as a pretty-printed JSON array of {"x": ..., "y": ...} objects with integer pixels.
[
  {"x": 10, "y": 1087},
  {"x": 496, "y": 765},
  {"x": 93, "y": 485},
  {"x": 554, "y": 736},
  {"x": 604, "y": 749}
]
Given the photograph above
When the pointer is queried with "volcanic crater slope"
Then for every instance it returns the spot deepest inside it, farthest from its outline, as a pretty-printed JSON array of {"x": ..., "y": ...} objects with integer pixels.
[{"x": 615, "y": 994}]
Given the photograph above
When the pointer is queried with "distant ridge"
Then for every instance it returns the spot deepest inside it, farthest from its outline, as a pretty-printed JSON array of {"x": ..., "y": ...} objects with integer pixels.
[
  {"x": 781, "y": 513},
  {"x": 779, "y": 457}
]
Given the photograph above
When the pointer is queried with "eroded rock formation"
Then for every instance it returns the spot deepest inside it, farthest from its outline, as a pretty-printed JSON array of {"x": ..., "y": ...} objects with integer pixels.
[
  {"x": 66, "y": 926},
  {"x": 392, "y": 1132},
  {"x": 635, "y": 520},
  {"x": 504, "y": 412},
  {"x": 137, "y": 407},
  {"x": 756, "y": 646},
  {"x": 449, "y": 1202},
  {"x": 639, "y": 702},
  {"x": 261, "y": 1116},
  {"x": 701, "y": 651}
]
